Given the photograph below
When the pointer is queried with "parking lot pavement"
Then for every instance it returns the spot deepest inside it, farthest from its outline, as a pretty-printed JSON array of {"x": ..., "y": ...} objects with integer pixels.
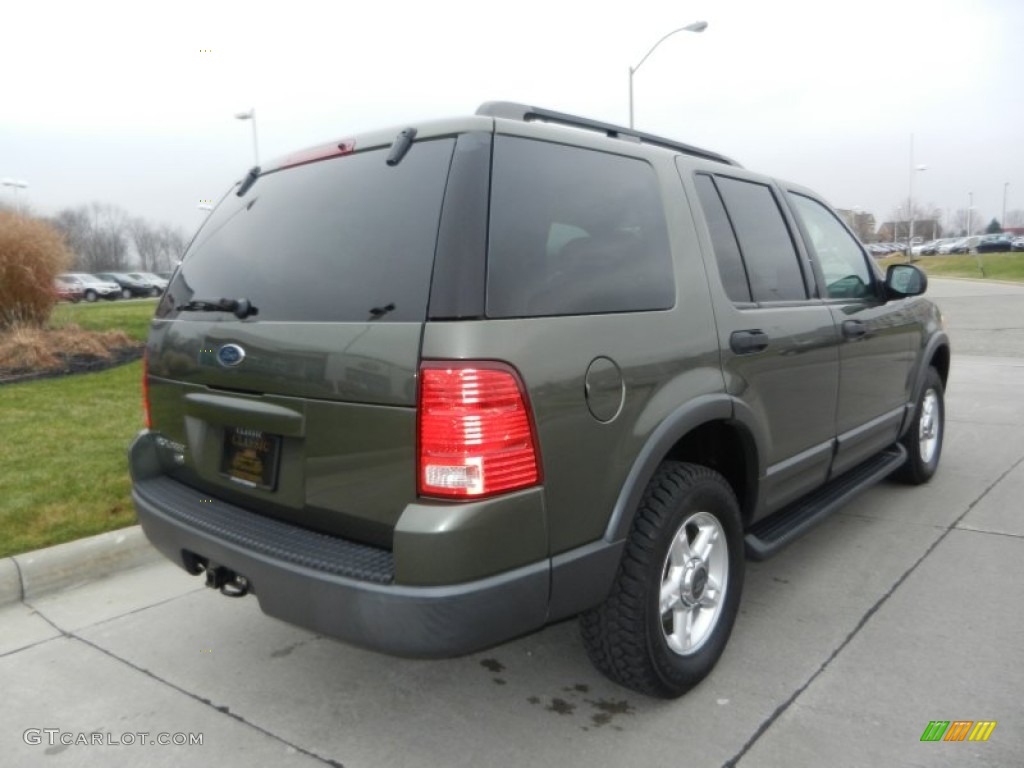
[{"x": 902, "y": 609}]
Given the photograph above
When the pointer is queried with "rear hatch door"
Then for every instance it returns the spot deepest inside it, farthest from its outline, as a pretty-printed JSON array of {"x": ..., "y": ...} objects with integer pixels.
[{"x": 283, "y": 358}]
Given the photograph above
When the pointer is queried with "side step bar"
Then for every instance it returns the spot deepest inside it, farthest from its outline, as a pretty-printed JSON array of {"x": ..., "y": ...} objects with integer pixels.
[{"x": 768, "y": 536}]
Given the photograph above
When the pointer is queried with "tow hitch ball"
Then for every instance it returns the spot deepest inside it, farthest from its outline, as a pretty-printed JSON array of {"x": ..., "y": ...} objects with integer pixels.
[{"x": 226, "y": 581}]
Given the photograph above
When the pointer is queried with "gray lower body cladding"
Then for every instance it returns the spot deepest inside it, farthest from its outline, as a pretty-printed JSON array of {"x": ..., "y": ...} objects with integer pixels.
[{"x": 346, "y": 590}]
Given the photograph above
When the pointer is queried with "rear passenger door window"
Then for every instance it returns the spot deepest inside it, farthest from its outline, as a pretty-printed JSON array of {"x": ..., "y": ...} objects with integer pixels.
[
  {"x": 723, "y": 240},
  {"x": 764, "y": 239},
  {"x": 842, "y": 261},
  {"x": 574, "y": 231}
]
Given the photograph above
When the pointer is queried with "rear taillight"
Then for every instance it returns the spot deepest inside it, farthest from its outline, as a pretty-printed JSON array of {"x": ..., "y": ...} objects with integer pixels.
[
  {"x": 475, "y": 431},
  {"x": 312, "y": 155},
  {"x": 145, "y": 391}
]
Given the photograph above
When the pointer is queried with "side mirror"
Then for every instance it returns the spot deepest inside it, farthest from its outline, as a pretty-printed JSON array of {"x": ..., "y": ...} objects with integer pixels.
[{"x": 903, "y": 280}]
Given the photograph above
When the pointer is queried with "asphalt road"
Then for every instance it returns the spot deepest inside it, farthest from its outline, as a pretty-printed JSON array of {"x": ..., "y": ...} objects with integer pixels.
[{"x": 903, "y": 608}]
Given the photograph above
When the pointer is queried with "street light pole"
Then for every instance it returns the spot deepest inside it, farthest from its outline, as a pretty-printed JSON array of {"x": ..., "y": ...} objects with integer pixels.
[
  {"x": 15, "y": 184},
  {"x": 697, "y": 26},
  {"x": 1002, "y": 221},
  {"x": 910, "y": 199},
  {"x": 251, "y": 115}
]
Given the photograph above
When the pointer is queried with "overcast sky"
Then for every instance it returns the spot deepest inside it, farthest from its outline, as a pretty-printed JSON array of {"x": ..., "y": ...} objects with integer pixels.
[{"x": 119, "y": 102}]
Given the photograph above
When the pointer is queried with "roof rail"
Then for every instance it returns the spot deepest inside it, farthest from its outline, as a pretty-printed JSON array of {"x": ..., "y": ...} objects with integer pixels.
[{"x": 512, "y": 111}]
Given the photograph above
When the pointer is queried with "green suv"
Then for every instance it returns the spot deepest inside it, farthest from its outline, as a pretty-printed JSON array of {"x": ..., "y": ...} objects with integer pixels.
[{"x": 429, "y": 389}]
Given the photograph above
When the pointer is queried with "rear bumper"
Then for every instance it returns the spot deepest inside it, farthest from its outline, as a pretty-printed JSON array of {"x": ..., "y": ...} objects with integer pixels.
[{"x": 330, "y": 585}]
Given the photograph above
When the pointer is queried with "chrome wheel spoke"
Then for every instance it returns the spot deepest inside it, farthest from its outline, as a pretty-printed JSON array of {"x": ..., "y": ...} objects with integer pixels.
[
  {"x": 669, "y": 597},
  {"x": 682, "y": 628},
  {"x": 680, "y": 553},
  {"x": 704, "y": 542},
  {"x": 711, "y": 593}
]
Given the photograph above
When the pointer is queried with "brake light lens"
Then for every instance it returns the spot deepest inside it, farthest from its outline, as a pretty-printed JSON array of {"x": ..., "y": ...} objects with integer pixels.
[
  {"x": 313, "y": 154},
  {"x": 145, "y": 390},
  {"x": 475, "y": 431}
]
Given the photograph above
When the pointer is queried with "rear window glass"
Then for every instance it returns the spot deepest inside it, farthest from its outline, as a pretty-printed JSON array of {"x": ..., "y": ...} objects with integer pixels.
[
  {"x": 574, "y": 231},
  {"x": 768, "y": 250},
  {"x": 723, "y": 239},
  {"x": 345, "y": 239}
]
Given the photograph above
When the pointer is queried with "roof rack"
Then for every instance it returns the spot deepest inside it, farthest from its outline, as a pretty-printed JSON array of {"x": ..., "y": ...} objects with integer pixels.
[{"x": 512, "y": 111}]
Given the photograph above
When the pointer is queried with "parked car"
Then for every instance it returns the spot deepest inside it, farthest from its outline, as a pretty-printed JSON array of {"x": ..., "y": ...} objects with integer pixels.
[
  {"x": 947, "y": 247},
  {"x": 68, "y": 289},
  {"x": 93, "y": 287},
  {"x": 486, "y": 417},
  {"x": 966, "y": 244},
  {"x": 994, "y": 244},
  {"x": 1017, "y": 244},
  {"x": 130, "y": 287},
  {"x": 157, "y": 284},
  {"x": 923, "y": 249}
]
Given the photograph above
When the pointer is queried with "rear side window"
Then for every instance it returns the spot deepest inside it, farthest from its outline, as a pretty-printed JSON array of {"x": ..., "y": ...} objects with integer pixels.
[
  {"x": 574, "y": 231},
  {"x": 765, "y": 242},
  {"x": 346, "y": 239},
  {"x": 723, "y": 240}
]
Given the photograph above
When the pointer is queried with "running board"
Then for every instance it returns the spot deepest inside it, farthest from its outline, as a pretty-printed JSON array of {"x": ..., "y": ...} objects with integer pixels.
[{"x": 768, "y": 536}]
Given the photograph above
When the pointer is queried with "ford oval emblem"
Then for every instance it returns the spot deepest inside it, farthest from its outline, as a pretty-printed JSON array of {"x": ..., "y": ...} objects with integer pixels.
[{"x": 230, "y": 355}]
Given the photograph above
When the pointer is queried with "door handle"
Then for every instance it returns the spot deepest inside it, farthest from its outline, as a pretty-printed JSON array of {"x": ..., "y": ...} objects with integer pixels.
[
  {"x": 854, "y": 329},
  {"x": 746, "y": 342}
]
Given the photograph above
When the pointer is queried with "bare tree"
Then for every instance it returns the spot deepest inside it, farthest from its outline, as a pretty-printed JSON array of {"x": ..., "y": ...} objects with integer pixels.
[
  {"x": 173, "y": 242},
  {"x": 147, "y": 243},
  {"x": 1014, "y": 218},
  {"x": 964, "y": 219},
  {"x": 97, "y": 234}
]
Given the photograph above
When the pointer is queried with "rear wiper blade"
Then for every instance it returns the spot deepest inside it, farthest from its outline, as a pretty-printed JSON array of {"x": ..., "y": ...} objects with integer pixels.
[{"x": 242, "y": 308}]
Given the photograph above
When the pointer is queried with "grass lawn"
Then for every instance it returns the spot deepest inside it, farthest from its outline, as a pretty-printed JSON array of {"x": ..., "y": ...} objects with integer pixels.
[
  {"x": 132, "y": 317},
  {"x": 64, "y": 469},
  {"x": 997, "y": 266},
  {"x": 65, "y": 474}
]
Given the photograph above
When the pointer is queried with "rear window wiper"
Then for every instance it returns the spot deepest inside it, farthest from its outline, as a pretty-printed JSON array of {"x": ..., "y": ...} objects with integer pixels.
[
  {"x": 248, "y": 181},
  {"x": 242, "y": 308}
]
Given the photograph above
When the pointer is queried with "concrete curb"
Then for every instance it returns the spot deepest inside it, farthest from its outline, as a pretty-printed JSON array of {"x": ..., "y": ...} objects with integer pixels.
[{"x": 33, "y": 574}]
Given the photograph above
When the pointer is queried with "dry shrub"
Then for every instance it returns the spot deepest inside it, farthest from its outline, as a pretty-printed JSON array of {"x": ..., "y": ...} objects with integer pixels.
[
  {"x": 32, "y": 253},
  {"x": 34, "y": 349}
]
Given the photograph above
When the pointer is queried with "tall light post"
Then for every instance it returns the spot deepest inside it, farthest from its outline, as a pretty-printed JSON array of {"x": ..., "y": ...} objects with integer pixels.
[
  {"x": 910, "y": 199},
  {"x": 251, "y": 115},
  {"x": 697, "y": 26},
  {"x": 1002, "y": 221},
  {"x": 15, "y": 184},
  {"x": 970, "y": 210}
]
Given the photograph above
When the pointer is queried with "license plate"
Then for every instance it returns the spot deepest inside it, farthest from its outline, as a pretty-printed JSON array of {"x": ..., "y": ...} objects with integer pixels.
[{"x": 250, "y": 457}]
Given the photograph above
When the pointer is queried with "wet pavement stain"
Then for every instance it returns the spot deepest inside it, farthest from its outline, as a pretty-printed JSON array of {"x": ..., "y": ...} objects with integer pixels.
[
  {"x": 280, "y": 653},
  {"x": 608, "y": 709},
  {"x": 492, "y": 665},
  {"x": 560, "y": 706},
  {"x": 498, "y": 681}
]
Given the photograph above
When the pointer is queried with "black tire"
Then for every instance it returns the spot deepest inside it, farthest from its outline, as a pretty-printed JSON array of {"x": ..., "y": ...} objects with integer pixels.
[
  {"x": 627, "y": 637},
  {"x": 929, "y": 416},
  {"x": 154, "y": 292},
  {"x": 91, "y": 295},
  {"x": 125, "y": 293}
]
